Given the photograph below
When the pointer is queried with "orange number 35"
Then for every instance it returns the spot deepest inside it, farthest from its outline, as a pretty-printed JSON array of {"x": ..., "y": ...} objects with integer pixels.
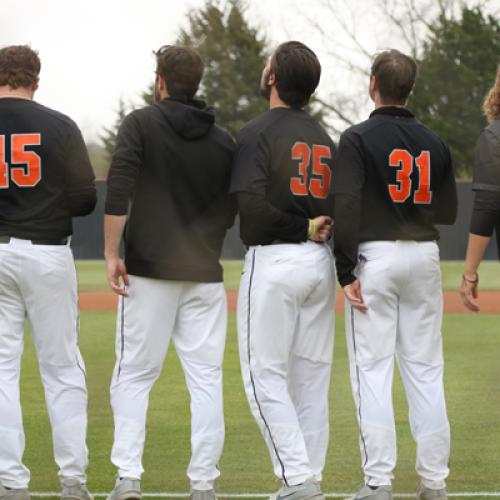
[
  {"x": 319, "y": 186},
  {"x": 30, "y": 173}
]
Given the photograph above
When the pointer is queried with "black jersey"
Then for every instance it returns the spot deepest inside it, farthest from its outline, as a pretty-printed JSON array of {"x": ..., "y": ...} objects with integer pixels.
[
  {"x": 45, "y": 174},
  {"x": 282, "y": 174},
  {"x": 393, "y": 180}
]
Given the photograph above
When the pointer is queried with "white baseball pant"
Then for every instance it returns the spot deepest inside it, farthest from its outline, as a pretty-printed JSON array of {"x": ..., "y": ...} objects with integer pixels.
[
  {"x": 38, "y": 282},
  {"x": 286, "y": 330},
  {"x": 194, "y": 316},
  {"x": 401, "y": 284}
]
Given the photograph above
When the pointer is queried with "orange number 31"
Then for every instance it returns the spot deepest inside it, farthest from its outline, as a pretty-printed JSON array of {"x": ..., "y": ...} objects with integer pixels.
[
  {"x": 30, "y": 173},
  {"x": 401, "y": 191}
]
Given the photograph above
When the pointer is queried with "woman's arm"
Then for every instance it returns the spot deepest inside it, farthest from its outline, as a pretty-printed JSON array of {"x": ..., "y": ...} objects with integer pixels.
[{"x": 485, "y": 216}]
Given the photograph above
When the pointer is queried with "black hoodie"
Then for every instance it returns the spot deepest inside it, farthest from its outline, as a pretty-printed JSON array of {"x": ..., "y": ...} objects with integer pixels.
[{"x": 171, "y": 173}]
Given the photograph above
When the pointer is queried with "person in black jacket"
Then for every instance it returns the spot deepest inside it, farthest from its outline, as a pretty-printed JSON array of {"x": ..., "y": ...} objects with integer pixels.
[
  {"x": 393, "y": 182},
  {"x": 486, "y": 212},
  {"x": 45, "y": 179},
  {"x": 168, "y": 183}
]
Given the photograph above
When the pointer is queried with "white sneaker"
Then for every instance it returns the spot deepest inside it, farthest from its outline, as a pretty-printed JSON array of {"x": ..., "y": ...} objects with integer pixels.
[
  {"x": 126, "y": 489},
  {"x": 73, "y": 489},
  {"x": 202, "y": 495},
  {"x": 13, "y": 494},
  {"x": 374, "y": 493},
  {"x": 424, "y": 493},
  {"x": 308, "y": 490}
]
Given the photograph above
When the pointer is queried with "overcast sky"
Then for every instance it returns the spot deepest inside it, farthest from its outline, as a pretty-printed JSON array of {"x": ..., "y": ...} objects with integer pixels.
[{"x": 95, "y": 51}]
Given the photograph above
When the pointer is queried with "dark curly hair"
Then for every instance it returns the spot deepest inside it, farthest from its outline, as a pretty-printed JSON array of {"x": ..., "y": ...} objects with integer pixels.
[{"x": 19, "y": 66}]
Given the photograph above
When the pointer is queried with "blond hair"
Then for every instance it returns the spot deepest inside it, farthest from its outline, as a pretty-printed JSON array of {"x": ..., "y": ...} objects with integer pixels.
[{"x": 491, "y": 105}]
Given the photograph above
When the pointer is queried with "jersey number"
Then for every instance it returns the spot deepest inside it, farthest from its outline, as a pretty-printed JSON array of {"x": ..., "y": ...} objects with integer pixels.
[
  {"x": 319, "y": 186},
  {"x": 401, "y": 191},
  {"x": 30, "y": 173}
]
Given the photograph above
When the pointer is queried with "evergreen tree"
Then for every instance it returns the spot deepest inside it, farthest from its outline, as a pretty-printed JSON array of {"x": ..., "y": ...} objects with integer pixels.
[
  {"x": 108, "y": 137},
  {"x": 457, "y": 67},
  {"x": 234, "y": 55}
]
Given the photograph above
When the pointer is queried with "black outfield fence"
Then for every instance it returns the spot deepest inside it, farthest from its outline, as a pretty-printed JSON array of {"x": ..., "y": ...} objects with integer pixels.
[{"x": 88, "y": 238}]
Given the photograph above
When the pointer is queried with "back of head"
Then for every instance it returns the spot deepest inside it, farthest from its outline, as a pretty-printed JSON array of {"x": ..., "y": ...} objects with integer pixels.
[
  {"x": 297, "y": 71},
  {"x": 491, "y": 105},
  {"x": 395, "y": 74},
  {"x": 181, "y": 68},
  {"x": 19, "y": 66}
]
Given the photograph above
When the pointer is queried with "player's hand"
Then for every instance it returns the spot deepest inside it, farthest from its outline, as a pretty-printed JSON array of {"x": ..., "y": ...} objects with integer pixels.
[
  {"x": 353, "y": 294},
  {"x": 320, "y": 228},
  {"x": 469, "y": 291},
  {"x": 116, "y": 272}
]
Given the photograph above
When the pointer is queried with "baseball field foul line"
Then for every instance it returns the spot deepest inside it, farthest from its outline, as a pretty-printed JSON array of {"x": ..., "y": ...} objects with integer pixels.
[{"x": 468, "y": 494}]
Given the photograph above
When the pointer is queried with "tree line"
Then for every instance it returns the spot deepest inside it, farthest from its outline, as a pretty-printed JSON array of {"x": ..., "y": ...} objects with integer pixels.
[{"x": 457, "y": 47}]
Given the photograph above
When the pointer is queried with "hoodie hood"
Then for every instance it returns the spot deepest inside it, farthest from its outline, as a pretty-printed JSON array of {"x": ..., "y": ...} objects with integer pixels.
[{"x": 190, "y": 118}]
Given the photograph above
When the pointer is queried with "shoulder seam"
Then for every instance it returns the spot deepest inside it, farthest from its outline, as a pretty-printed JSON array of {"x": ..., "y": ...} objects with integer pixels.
[{"x": 55, "y": 114}]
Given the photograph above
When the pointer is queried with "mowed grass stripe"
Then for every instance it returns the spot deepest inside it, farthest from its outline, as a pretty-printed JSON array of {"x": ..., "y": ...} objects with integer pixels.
[{"x": 472, "y": 375}]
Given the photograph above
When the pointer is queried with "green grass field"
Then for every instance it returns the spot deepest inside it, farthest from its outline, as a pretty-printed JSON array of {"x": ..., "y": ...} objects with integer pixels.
[
  {"x": 472, "y": 348},
  {"x": 92, "y": 274}
]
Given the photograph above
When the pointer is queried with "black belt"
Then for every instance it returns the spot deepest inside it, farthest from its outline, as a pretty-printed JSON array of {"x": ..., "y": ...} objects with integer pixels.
[{"x": 55, "y": 241}]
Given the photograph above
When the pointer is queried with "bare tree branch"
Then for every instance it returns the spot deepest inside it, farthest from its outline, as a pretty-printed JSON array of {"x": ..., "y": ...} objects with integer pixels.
[
  {"x": 335, "y": 110},
  {"x": 411, "y": 21}
]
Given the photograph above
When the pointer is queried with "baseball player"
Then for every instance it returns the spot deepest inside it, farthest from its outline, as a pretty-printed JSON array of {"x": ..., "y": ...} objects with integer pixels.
[
  {"x": 171, "y": 174},
  {"x": 282, "y": 178},
  {"x": 45, "y": 180},
  {"x": 393, "y": 181}
]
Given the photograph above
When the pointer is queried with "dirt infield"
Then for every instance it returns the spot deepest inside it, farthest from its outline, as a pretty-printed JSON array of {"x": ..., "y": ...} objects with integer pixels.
[{"x": 489, "y": 302}]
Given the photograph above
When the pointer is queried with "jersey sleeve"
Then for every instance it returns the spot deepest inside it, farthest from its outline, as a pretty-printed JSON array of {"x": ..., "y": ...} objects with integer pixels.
[
  {"x": 81, "y": 195},
  {"x": 445, "y": 198},
  {"x": 486, "y": 213},
  {"x": 486, "y": 172},
  {"x": 272, "y": 223},
  {"x": 348, "y": 182},
  {"x": 125, "y": 166},
  {"x": 250, "y": 170}
]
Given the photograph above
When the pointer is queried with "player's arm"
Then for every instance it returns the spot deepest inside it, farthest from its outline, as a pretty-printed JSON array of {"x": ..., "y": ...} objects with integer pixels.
[
  {"x": 279, "y": 225},
  {"x": 81, "y": 195},
  {"x": 445, "y": 199},
  {"x": 272, "y": 222},
  {"x": 249, "y": 182},
  {"x": 113, "y": 232},
  {"x": 227, "y": 205},
  {"x": 122, "y": 177},
  {"x": 348, "y": 181}
]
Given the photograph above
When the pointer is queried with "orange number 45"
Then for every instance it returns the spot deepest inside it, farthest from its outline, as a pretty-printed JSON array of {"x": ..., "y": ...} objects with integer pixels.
[
  {"x": 401, "y": 191},
  {"x": 318, "y": 186},
  {"x": 28, "y": 175}
]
